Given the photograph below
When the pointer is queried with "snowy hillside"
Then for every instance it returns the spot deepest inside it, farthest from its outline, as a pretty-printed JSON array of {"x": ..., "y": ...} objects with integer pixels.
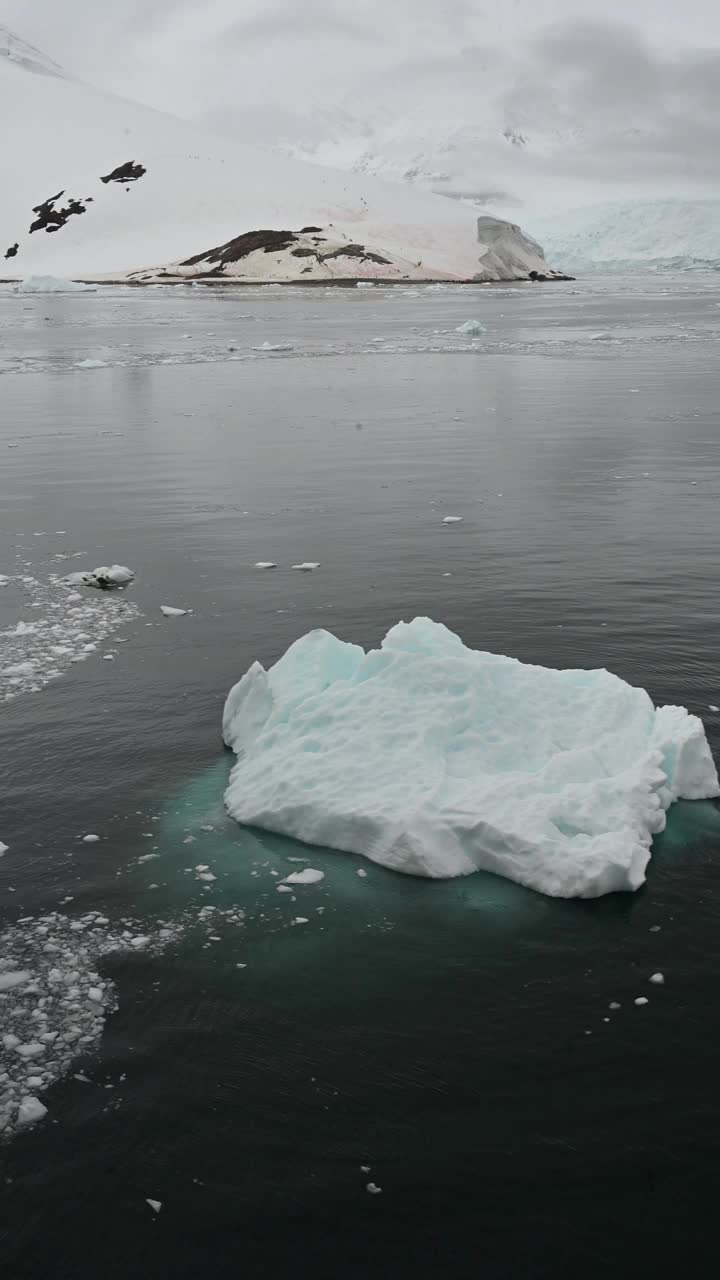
[
  {"x": 652, "y": 234},
  {"x": 115, "y": 188},
  {"x": 26, "y": 55}
]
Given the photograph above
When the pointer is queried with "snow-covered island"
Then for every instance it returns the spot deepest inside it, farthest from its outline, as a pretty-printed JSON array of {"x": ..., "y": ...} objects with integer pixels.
[
  {"x": 123, "y": 193},
  {"x": 437, "y": 760}
]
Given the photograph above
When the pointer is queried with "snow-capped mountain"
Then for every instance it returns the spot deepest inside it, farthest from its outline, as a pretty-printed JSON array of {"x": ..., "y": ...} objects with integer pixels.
[{"x": 95, "y": 186}]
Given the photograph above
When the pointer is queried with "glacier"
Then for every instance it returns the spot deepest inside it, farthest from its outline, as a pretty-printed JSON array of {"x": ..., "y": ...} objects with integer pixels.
[
  {"x": 656, "y": 235},
  {"x": 437, "y": 760}
]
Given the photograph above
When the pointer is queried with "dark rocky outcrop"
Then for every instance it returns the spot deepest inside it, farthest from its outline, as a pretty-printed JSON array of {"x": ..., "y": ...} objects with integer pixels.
[
  {"x": 355, "y": 251},
  {"x": 128, "y": 172},
  {"x": 242, "y": 246},
  {"x": 51, "y": 219}
]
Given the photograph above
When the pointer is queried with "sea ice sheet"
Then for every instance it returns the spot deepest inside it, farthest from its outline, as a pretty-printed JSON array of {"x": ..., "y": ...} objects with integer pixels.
[{"x": 438, "y": 760}]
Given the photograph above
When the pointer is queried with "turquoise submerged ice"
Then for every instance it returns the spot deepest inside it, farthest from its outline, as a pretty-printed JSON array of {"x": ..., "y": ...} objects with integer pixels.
[{"x": 437, "y": 760}]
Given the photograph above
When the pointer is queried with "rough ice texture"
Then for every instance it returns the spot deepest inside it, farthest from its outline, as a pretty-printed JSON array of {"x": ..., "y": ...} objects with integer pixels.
[
  {"x": 438, "y": 760},
  {"x": 658, "y": 235},
  {"x": 200, "y": 194},
  {"x": 54, "y": 1000}
]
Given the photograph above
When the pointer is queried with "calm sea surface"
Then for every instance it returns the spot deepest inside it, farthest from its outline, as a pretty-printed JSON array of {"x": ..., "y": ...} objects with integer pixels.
[{"x": 455, "y": 1037}]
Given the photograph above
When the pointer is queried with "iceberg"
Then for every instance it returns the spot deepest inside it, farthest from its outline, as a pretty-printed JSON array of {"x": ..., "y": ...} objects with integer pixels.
[
  {"x": 53, "y": 284},
  {"x": 438, "y": 760}
]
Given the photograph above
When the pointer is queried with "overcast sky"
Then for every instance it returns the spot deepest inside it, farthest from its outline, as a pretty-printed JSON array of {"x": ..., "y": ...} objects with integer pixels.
[{"x": 606, "y": 65}]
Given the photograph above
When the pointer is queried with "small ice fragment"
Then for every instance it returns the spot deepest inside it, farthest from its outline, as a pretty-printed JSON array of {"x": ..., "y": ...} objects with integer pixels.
[
  {"x": 614, "y": 1005},
  {"x": 712, "y": 707},
  {"x": 30, "y": 1111},
  {"x": 155, "y": 1205},
  {"x": 641, "y": 1000},
  {"x": 308, "y": 876},
  {"x": 307, "y": 565},
  {"x": 453, "y": 519},
  {"x": 365, "y": 1168},
  {"x": 95, "y": 994},
  {"x": 274, "y": 346},
  {"x": 361, "y": 872},
  {"x": 265, "y": 564},
  {"x": 108, "y": 657},
  {"x": 90, "y": 364},
  {"x": 3, "y": 849},
  {"x": 658, "y": 979},
  {"x": 139, "y": 942},
  {"x": 471, "y": 328},
  {"x": 202, "y": 866},
  {"x": 604, "y": 336},
  {"x": 171, "y": 612},
  {"x": 90, "y": 839},
  {"x": 301, "y": 920},
  {"x": 373, "y": 1189},
  {"x": 206, "y": 875},
  {"x": 654, "y": 928},
  {"x": 15, "y": 978},
  {"x": 31, "y": 1050},
  {"x": 283, "y": 888}
]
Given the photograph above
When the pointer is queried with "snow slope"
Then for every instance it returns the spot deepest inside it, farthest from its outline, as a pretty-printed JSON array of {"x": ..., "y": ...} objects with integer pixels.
[
  {"x": 438, "y": 760},
  {"x": 198, "y": 192},
  {"x": 655, "y": 234}
]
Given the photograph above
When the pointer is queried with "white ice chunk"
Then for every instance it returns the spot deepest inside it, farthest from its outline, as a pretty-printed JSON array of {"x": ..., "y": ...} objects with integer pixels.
[
  {"x": 90, "y": 839},
  {"x": 307, "y": 565},
  {"x": 308, "y": 876},
  {"x": 171, "y": 612},
  {"x": 641, "y": 1000},
  {"x": 453, "y": 519},
  {"x": 438, "y": 760},
  {"x": 373, "y": 1189},
  {"x": 274, "y": 346},
  {"x": 90, "y": 364},
  {"x": 30, "y": 1111},
  {"x": 3, "y": 849},
  {"x": 471, "y": 328},
  {"x": 155, "y": 1205},
  {"x": 53, "y": 284},
  {"x": 265, "y": 564},
  {"x": 15, "y": 978},
  {"x": 658, "y": 979}
]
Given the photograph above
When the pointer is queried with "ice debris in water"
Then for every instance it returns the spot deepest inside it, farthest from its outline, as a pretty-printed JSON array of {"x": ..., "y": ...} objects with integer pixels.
[
  {"x": 104, "y": 578},
  {"x": 605, "y": 336},
  {"x": 307, "y": 565},
  {"x": 373, "y": 1189},
  {"x": 453, "y": 519},
  {"x": 658, "y": 979},
  {"x": 274, "y": 346},
  {"x": 438, "y": 760},
  {"x": 62, "y": 632},
  {"x": 265, "y": 564},
  {"x": 308, "y": 876},
  {"x": 155, "y": 1205},
  {"x": 171, "y": 612},
  {"x": 90, "y": 364},
  {"x": 54, "y": 1001},
  {"x": 91, "y": 838},
  {"x": 471, "y": 328},
  {"x": 641, "y": 1000},
  {"x": 3, "y": 849},
  {"x": 53, "y": 284}
]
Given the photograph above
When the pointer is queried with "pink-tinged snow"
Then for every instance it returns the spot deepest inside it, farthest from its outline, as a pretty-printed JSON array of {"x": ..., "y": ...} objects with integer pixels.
[{"x": 199, "y": 191}]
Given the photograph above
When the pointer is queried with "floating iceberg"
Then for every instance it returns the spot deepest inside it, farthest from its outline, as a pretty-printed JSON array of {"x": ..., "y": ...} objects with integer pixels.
[
  {"x": 53, "y": 284},
  {"x": 438, "y": 760}
]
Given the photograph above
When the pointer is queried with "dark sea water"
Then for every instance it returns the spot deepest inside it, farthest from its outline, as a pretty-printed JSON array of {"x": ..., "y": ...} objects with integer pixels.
[{"x": 456, "y": 1037}]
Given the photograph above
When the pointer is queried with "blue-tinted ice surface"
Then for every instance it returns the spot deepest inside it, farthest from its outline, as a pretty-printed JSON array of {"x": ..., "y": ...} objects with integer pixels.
[{"x": 438, "y": 760}]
